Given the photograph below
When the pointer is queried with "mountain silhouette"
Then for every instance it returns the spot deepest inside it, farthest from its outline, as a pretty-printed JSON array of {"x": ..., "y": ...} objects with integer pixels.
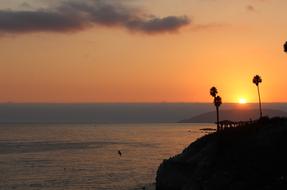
[{"x": 233, "y": 115}]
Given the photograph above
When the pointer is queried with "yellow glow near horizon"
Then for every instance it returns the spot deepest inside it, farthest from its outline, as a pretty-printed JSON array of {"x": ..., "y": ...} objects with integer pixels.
[{"x": 242, "y": 101}]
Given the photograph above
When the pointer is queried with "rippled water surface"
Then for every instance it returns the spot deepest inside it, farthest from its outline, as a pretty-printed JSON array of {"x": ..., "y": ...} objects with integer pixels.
[{"x": 81, "y": 157}]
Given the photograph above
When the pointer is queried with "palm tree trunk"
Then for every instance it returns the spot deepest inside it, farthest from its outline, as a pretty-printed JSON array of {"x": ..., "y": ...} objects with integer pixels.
[
  {"x": 217, "y": 118},
  {"x": 260, "y": 108}
]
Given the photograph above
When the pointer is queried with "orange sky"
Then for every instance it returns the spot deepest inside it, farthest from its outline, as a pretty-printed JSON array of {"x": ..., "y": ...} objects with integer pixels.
[{"x": 225, "y": 45}]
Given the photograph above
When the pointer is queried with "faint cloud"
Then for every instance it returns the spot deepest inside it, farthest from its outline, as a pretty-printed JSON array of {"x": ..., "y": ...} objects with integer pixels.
[
  {"x": 209, "y": 26},
  {"x": 250, "y": 8}
]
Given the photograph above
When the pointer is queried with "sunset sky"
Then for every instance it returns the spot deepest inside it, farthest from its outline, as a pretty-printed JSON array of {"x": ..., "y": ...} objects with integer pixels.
[{"x": 142, "y": 50}]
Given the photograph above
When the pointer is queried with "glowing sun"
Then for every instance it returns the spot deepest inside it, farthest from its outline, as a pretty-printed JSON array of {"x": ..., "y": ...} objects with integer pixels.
[{"x": 242, "y": 101}]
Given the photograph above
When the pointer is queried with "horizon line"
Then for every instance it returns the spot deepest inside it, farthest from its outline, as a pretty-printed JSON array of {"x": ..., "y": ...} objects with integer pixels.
[{"x": 163, "y": 102}]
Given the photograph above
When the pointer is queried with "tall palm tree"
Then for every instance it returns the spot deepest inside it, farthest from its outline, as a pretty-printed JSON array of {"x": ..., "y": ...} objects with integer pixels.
[
  {"x": 256, "y": 80},
  {"x": 285, "y": 47},
  {"x": 217, "y": 102}
]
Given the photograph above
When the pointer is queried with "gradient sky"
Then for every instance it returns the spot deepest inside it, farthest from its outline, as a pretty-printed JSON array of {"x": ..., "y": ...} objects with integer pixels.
[{"x": 202, "y": 43}]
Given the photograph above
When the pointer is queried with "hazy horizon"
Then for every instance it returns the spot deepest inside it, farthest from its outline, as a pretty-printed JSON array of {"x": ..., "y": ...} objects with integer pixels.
[
  {"x": 115, "y": 112},
  {"x": 235, "y": 103}
]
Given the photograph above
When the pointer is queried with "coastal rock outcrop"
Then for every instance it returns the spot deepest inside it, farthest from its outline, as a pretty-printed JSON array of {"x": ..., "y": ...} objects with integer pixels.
[{"x": 253, "y": 157}]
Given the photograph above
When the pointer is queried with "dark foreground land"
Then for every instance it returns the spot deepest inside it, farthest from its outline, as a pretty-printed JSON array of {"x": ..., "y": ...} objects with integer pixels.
[{"x": 253, "y": 156}]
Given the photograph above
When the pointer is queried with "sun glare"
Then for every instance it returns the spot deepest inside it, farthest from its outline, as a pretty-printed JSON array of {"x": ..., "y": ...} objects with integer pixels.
[{"x": 242, "y": 101}]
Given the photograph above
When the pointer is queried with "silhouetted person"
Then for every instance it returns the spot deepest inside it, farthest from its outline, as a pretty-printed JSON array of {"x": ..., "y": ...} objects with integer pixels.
[
  {"x": 217, "y": 102},
  {"x": 119, "y": 152},
  {"x": 256, "y": 80},
  {"x": 285, "y": 47}
]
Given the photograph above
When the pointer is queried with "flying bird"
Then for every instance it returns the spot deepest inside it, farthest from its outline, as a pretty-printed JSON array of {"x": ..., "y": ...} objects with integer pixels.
[{"x": 119, "y": 152}]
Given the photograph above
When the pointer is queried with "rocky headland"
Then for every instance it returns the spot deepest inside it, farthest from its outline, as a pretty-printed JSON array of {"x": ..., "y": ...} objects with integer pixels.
[{"x": 252, "y": 156}]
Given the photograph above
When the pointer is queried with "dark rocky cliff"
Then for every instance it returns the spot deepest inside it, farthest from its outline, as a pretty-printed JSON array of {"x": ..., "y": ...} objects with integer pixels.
[{"x": 253, "y": 156}]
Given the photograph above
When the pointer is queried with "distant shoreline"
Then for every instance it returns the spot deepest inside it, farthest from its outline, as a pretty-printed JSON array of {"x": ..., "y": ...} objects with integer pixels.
[{"x": 234, "y": 115}]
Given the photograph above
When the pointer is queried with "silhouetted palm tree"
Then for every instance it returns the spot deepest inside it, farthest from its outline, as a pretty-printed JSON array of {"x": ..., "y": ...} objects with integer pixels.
[
  {"x": 213, "y": 92},
  {"x": 285, "y": 47},
  {"x": 217, "y": 102},
  {"x": 256, "y": 80}
]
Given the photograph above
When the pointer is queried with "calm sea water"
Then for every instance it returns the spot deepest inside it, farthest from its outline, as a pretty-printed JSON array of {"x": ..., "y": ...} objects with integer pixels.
[
  {"x": 81, "y": 157},
  {"x": 114, "y": 112}
]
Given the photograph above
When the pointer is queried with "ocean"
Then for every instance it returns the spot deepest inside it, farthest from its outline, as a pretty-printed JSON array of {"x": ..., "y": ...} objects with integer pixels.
[
  {"x": 114, "y": 112},
  {"x": 76, "y": 146},
  {"x": 85, "y": 156}
]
